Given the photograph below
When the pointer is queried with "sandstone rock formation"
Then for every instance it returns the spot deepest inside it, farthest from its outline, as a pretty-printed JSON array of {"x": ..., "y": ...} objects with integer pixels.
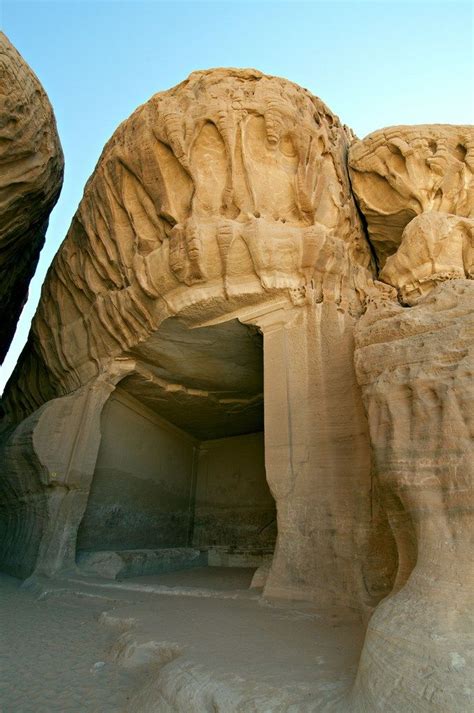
[
  {"x": 221, "y": 357},
  {"x": 31, "y": 165},
  {"x": 230, "y": 178},
  {"x": 224, "y": 198},
  {"x": 435, "y": 247},
  {"x": 415, "y": 365},
  {"x": 404, "y": 171}
]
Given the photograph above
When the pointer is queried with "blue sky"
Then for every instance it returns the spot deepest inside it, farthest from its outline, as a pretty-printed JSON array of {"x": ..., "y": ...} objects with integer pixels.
[{"x": 374, "y": 63}]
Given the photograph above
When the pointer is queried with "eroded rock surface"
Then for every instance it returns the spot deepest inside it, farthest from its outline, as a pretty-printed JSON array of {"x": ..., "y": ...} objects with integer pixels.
[
  {"x": 435, "y": 247},
  {"x": 31, "y": 168},
  {"x": 415, "y": 367},
  {"x": 225, "y": 198},
  {"x": 400, "y": 172},
  {"x": 229, "y": 186},
  {"x": 213, "y": 344},
  {"x": 414, "y": 361}
]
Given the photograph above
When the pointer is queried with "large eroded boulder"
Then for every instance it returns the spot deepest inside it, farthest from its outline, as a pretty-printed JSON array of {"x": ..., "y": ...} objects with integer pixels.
[
  {"x": 400, "y": 172},
  {"x": 31, "y": 175},
  {"x": 414, "y": 360},
  {"x": 224, "y": 198},
  {"x": 229, "y": 187}
]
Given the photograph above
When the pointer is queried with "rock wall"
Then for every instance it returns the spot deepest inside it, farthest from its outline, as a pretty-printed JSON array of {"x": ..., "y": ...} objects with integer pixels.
[
  {"x": 334, "y": 545},
  {"x": 31, "y": 168},
  {"x": 414, "y": 361},
  {"x": 157, "y": 486},
  {"x": 415, "y": 367},
  {"x": 140, "y": 494},
  {"x": 233, "y": 506}
]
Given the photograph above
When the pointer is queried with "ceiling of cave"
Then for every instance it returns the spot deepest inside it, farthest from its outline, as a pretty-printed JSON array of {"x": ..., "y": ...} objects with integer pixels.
[{"x": 207, "y": 381}]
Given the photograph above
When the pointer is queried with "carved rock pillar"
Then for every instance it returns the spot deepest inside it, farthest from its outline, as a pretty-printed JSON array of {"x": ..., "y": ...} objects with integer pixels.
[
  {"x": 318, "y": 463},
  {"x": 57, "y": 448}
]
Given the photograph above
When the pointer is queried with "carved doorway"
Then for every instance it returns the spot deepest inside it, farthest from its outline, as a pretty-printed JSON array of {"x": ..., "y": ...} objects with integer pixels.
[{"x": 180, "y": 475}]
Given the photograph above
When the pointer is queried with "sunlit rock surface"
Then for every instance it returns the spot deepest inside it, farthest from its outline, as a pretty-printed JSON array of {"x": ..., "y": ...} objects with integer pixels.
[
  {"x": 415, "y": 366},
  {"x": 403, "y": 171},
  {"x": 228, "y": 188},
  {"x": 220, "y": 211},
  {"x": 224, "y": 366},
  {"x": 31, "y": 175},
  {"x": 435, "y": 247}
]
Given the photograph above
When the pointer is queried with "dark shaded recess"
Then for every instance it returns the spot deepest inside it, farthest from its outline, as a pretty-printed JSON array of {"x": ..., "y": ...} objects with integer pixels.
[
  {"x": 18, "y": 267},
  {"x": 365, "y": 228},
  {"x": 142, "y": 497},
  {"x": 23, "y": 508}
]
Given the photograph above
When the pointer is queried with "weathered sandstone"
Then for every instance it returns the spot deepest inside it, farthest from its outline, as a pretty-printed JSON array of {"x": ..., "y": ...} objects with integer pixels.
[
  {"x": 31, "y": 168},
  {"x": 415, "y": 366},
  {"x": 226, "y": 198},
  {"x": 435, "y": 247},
  {"x": 400, "y": 172},
  {"x": 229, "y": 188},
  {"x": 224, "y": 366}
]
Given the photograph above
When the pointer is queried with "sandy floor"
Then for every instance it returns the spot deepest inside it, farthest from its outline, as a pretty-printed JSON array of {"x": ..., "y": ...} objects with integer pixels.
[
  {"x": 218, "y": 578},
  {"x": 51, "y": 653},
  {"x": 186, "y": 642}
]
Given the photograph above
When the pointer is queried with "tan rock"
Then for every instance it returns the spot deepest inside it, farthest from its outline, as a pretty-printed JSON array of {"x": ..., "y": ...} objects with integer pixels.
[
  {"x": 435, "y": 247},
  {"x": 191, "y": 369},
  {"x": 219, "y": 211},
  {"x": 31, "y": 168},
  {"x": 402, "y": 171},
  {"x": 415, "y": 368},
  {"x": 414, "y": 364},
  {"x": 227, "y": 188}
]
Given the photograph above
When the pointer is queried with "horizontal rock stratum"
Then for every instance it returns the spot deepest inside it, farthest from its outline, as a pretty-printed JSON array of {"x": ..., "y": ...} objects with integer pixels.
[{"x": 223, "y": 357}]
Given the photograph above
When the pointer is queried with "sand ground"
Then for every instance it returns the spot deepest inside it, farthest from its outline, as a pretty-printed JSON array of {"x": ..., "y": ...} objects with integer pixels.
[
  {"x": 186, "y": 642},
  {"x": 52, "y": 655}
]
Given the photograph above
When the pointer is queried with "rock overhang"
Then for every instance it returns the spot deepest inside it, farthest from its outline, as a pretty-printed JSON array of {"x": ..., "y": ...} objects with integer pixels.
[{"x": 228, "y": 190}]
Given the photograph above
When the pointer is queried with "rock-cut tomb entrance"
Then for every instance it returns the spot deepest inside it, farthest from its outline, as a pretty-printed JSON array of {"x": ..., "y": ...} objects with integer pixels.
[{"x": 180, "y": 474}]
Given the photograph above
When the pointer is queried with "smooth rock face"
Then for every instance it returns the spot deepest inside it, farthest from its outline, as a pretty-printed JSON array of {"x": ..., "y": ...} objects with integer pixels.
[{"x": 31, "y": 175}]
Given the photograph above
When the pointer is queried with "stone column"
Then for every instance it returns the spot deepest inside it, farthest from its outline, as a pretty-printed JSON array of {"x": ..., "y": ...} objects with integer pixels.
[
  {"x": 65, "y": 440},
  {"x": 333, "y": 547}
]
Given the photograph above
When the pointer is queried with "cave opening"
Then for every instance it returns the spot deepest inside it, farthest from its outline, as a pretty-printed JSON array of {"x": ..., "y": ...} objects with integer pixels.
[{"x": 180, "y": 477}]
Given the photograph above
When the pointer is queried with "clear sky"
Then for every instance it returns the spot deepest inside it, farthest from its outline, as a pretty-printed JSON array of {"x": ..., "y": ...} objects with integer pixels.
[{"x": 374, "y": 63}]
